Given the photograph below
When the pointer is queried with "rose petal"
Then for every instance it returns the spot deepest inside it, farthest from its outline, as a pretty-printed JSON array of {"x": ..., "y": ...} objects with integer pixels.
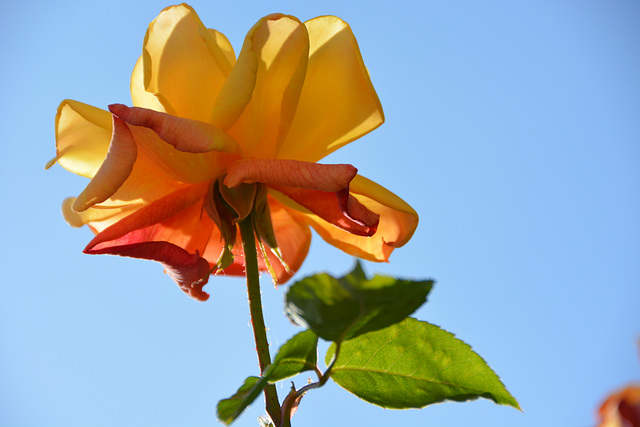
[
  {"x": 113, "y": 172},
  {"x": 183, "y": 64},
  {"x": 189, "y": 271},
  {"x": 398, "y": 222},
  {"x": 189, "y": 136},
  {"x": 78, "y": 219},
  {"x": 290, "y": 173},
  {"x": 339, "y": 209},
  {"x": 83, "y": 133},
  {"x": 153, "y": 213},
  {"x": 139, "y": 96},
  {"x": 259, "y": 99},
  {"x": 294, "y": 239},
  {"x": 338, "y": 103},
  {"x": 169, "y": 231}
]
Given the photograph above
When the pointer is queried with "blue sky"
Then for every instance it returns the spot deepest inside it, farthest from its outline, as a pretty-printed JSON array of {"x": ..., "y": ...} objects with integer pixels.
[{"x": 513, "y": 128}]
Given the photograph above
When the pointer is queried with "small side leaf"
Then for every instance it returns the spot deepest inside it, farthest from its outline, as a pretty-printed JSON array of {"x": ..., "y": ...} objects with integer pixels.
[
  {"x": 413, "y": 364},
  {"x": 297, "y": 355},
  {"x": 340, "y": 309},
  {"x": 231, "y": 408}
]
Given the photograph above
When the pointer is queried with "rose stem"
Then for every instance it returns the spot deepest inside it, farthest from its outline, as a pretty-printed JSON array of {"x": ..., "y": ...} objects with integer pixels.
[{"x": 257, "y": 319}]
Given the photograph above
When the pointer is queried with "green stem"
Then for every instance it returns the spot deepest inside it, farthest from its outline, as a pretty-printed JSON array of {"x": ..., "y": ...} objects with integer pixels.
[
  {"x": 257, "y": 319},
  {"x": 294, "y": 395}
]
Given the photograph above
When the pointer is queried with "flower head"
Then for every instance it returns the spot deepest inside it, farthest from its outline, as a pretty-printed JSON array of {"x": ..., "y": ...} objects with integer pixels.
[{"x": 212, "y": 140}]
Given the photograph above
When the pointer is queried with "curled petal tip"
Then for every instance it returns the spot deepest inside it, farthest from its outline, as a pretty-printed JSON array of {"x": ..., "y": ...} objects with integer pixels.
[
  {"x": 117, "y": 108},
  {"x": 55, "y": 159},
  {"x": 51, "y": 162},
  {"x": 190, "y": 136},
  {"x": 113, "y": 172},
  {"x": 120, "y": 111}
]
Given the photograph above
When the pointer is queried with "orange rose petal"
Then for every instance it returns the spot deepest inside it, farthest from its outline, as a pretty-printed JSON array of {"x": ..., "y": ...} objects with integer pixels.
[
  {"x": 398, "y": 221},
  {"x": 190, "y": 136},
  {"x": 322, "y": 189},
  {"x": 175, "y": 239},
  {"x": 291, "y": 173},
  {"x": 189, "y": 271},
  {"x": 293, "y": 237},
  {"x": 152, "y": 214},
  {"x": 338, "y": 208},
  {"x": 115, "y": 169}
]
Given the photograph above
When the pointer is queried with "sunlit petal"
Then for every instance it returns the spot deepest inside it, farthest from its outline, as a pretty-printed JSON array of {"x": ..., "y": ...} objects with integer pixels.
[
  {"x": 259, "y": 100},
  {"x": 338, "y": 103},
  {"x": 184, "y": 64},
  {"x": 91, "y": 215},
  {"x": 222, "y": 43},
  {"x": 139, "y": 96},
  {"x": 83, "y": 133}
]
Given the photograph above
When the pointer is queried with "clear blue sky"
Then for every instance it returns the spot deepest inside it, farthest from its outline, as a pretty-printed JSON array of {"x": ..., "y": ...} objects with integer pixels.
[{"x": 513, "y": 128}]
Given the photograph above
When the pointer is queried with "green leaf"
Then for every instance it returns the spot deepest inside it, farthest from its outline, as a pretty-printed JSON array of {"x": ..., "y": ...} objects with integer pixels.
[
  {"x": 340, "y": 309},
  {"x": 297, "y": 355},
  {"x": 231, "y": 408},
  {"x": 413, "y": 364}
]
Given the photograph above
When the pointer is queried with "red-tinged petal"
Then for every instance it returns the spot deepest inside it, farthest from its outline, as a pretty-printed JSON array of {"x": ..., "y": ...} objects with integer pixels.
[
  {"x": 161, "y": 158},
  {"x": 338, "y": 208},
  {"x": 115, "y": 169},
  {"x": 169, "y": 231},
  {"x": 189, "y": 271},
  {"x": 188, "y": 229},
  {"x": 153, "y": 213},
  {"x": 321, "y": 189},
  {"x": 189, "y": 136},
  {"x": 290, "y": 173},
  {"x": 398, "y": 222}
]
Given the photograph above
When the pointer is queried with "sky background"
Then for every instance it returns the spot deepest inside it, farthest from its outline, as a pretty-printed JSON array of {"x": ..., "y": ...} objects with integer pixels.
[{"x": 513, "y": 129}]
